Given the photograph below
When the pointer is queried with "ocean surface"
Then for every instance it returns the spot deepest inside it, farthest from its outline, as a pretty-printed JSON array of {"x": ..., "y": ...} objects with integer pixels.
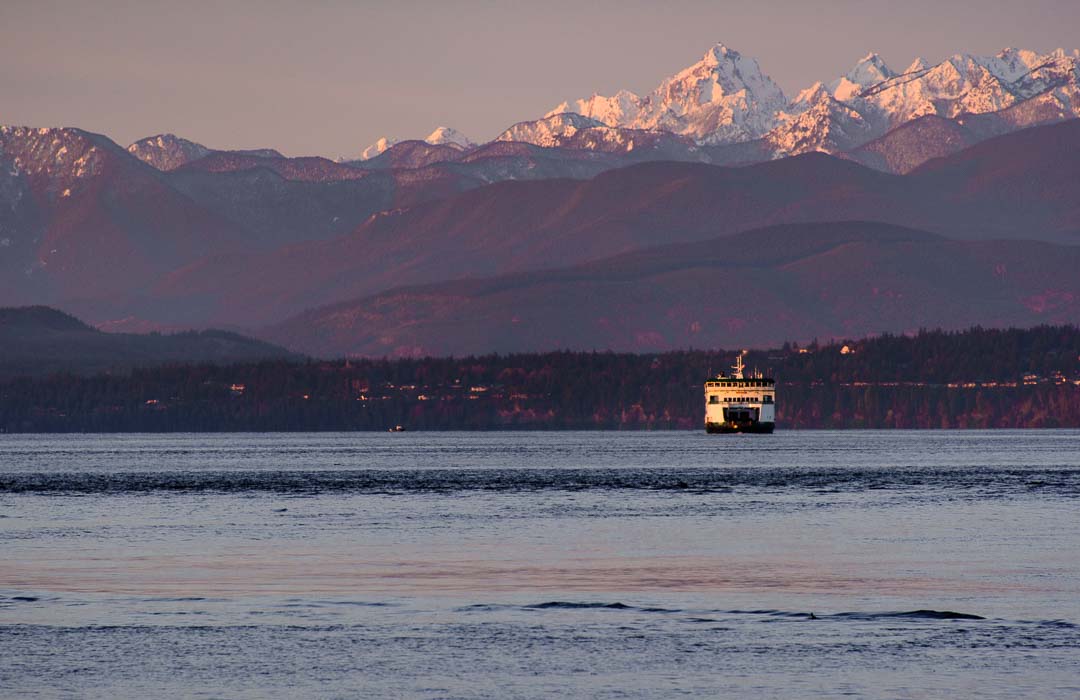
[{"x": 521, "y": 565}]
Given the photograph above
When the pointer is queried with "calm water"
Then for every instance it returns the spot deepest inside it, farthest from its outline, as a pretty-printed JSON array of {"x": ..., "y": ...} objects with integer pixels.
[{"x": 810, "y": 564}]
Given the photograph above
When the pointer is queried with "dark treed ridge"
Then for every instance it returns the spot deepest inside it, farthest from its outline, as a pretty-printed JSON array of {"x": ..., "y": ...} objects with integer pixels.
[{"x": 973, "y": 379}]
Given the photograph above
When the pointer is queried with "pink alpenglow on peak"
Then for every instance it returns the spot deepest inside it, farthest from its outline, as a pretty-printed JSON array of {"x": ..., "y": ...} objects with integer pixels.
[
  {"x": 723, "y": 98},
  {"x": 869, "y": 71},
  {"x": 447, "y": 136},
  {"x": 378, "y": 147},
  {"x": 550, "y": 131},
  {"x": 442, "y": 136},
  {"x": 167, "y": 151}
]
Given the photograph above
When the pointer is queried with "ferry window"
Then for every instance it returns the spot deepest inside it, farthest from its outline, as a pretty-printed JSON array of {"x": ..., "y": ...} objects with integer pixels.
[
  {"x": 714, "y": 399},
  {"x": 768, "y": 398}
]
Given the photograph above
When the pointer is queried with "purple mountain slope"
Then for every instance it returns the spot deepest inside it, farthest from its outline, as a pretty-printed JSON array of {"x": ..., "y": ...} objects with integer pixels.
[
  {"x": 518, "y": 226},
  {"x": 797, "y": 281}
]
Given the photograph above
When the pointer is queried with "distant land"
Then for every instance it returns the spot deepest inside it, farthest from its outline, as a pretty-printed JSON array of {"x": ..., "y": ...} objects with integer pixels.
[
  {"x": 441, "y": 245},
  {"x": 39, "y": 340},
  {"x": 979, "y": 378},
  {"x": 131, "y": 247},
  {"x": 761, "y": 288}
]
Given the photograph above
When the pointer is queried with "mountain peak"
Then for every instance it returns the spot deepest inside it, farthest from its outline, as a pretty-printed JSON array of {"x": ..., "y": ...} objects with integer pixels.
[
  {"x": 378, "y": 147},
  {"x": 723, "y": 98},
  {"x": 869, "y": 71},
  {"x": 167, "y": 151},
  {"x": 720, "y": 52},
  {"x": 549, "y": 131},
  {"x": 60, "y": 153},
  {"x": 873, "y": 63},
  {"x": 445, "y": 135},
  {"x": 38, "y": 319},
  {"x": 919, "y": 64}
]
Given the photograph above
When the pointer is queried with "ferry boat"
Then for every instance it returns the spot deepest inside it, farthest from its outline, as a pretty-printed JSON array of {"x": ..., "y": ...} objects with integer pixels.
[{"x": 740, "y": 404}]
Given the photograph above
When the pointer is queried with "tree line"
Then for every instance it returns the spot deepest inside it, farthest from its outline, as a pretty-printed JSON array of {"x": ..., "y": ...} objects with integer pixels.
[{"x": 978, "y": 378}]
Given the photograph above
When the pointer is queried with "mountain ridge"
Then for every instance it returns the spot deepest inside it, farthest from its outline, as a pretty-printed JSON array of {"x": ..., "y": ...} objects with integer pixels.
[
  {"x": 38, "y": 340},
  {"x": 512, "y": 226},
  {"x": 871, "y": 98},
  {"x": 789, "y": 282}
]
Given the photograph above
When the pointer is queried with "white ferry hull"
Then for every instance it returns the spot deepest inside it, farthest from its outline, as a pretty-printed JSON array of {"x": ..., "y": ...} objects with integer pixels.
[{"x": 740, "y": 404}]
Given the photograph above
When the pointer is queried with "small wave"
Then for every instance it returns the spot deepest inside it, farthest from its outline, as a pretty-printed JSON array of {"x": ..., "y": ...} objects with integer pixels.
[
  {"x": 770, "y": 613},
  {"x": 354, "y": 603},
  {"x": 697, "y": 481},
  {"x": 909, "y": 614},
  {"x": 940, "y": 615},
  {"x": 563, "y": 605},
  {"x": 1061, "y": 624}
]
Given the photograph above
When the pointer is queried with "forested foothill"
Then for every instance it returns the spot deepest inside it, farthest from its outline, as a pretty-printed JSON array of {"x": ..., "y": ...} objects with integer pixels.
[{"x": 977, "y": 378}]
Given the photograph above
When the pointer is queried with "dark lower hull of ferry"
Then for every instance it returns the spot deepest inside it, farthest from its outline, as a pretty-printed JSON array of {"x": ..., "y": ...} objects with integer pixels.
[{"x": 749, "y": 426}]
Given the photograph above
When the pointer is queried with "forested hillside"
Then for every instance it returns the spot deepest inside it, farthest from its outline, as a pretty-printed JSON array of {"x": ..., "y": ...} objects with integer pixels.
[{"x": 975, "y": 379}]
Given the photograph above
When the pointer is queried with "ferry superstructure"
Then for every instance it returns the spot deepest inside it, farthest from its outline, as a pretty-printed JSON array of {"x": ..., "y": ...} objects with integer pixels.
[{"x": 740, "y": 404}]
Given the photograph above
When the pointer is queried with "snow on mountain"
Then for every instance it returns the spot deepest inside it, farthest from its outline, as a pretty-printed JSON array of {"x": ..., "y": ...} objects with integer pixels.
[
  {"x": 723, "y": 98},
  {"x": 378, "y": 147},
  {"x": 869, "y": 71},
  {"x": 621, "y": 108},
  {"x": 966, "y": 84},
  {"x": 1057, "y": 70},
  {"x": 1012, "y": 64},
  {"x": 551, "y": 131},
  {"x": 167, "y": 151},
  {"x": 575, "y": 131},
  {"x": 819, "y": 122},
  {"x": 55, "y": 158},
  {"x": 442, "y": 136},
  {"x": 959, "y": 84},
  {"x": 446, "y": 136}
]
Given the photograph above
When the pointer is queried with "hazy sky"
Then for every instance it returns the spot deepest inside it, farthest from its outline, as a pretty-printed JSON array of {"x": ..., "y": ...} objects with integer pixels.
[{"x": 328, "y": 77}]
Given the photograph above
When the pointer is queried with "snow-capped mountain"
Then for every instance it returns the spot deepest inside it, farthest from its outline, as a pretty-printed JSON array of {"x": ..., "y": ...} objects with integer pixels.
[
  {"x": 378, "y": 147},
  {"x": 817, "y": 121},
  {"x": 551, "y": 131},
  {"x": 723, "y": 98},
  {"x": 960, "y": 84},
  {"x": 621, "y": 109},
  {"x": 877, "y": 99},
  {"x": 447, "y": 136},
  {"x": 442, "y": 136},
  {"x": 869, "y": 71},
  {"x": 167, "y": 151},
  {"x": 574, "y": 131}
]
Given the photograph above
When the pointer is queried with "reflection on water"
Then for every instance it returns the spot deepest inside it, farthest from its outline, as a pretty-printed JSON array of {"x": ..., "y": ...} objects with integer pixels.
[{"x": 496, "y": 565}]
